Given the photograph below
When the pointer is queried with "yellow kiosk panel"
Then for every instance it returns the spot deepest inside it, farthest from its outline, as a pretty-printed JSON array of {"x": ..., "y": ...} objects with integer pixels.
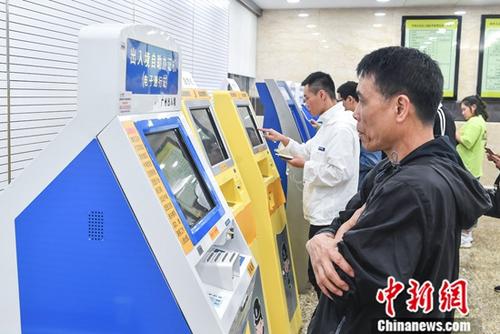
[
  {"x": 196, "y": 107},
  {"x": 261, "y": 178}
]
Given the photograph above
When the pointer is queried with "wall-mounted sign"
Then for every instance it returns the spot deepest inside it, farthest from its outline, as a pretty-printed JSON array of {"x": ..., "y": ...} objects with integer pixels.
[
  {"x": 488, "y": 83},
  {"x": 151, "y": 70},
  {"x": 439, "y": 37}
]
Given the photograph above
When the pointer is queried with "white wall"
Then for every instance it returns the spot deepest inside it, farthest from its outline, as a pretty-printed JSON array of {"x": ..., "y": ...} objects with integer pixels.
[
  {"x": 287, "y": 50},
  {"x": 242, "y": 40},
  {"x": 43, "y": 37}
]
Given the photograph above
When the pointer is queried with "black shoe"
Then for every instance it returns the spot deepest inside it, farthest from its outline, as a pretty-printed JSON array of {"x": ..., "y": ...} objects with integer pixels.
[{"x": 497, "y": 288}]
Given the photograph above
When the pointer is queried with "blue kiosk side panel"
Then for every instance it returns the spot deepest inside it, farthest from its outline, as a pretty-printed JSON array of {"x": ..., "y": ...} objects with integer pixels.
[
  {"x": 303, "y": 131},
  {"x": 301, "y": 121},
  {"x": 84, "y": 264},
  {"x": 271, "y": 120}
]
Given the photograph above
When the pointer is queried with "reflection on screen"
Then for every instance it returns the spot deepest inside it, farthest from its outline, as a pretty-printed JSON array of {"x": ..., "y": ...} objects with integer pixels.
[
  {"x": 209, "y": 135},
  {"x": 250, "y": 126},
  {"x": 284, "y": 92},
  {"x": 179, "y": 169}
]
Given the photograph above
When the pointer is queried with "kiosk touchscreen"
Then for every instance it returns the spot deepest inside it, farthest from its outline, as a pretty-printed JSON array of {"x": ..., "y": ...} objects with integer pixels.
[
  {"x": 257, "y": 168},
  {"x": 197, "y": 109},
  {"x": 118, "y": 226},
  {"x": 282, "y": 114}
]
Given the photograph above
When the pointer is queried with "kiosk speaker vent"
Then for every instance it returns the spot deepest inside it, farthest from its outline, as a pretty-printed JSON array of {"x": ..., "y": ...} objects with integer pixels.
[{"x": 96, "y": 225}]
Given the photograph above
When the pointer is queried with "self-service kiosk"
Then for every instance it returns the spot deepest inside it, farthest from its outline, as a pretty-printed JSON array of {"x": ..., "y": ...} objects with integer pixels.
[
  {"x": 259, "y": 173},
  {"x": 282, "y": 114},
  {"x": 296, "y": 91},
  {"x": 117, "y": 227},
  {"x": 198, "y": 111},
  {"x": 281, "y": 95}
]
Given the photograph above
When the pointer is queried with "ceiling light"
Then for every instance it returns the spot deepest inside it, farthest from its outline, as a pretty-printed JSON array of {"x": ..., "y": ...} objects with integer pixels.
[
  {"x": 326, "y": 46},
  {"x": 383, "y": 0},
  {"x": 310, "y": 26},
  {"x": 460, "y": 12},
  {"x": 303, "y": 15},
  {"x": 292, "y": 1},
  {"x": 377, "y": 25},
  {"x": 379, "y": 14},
  {"x": 316, "y": 33},
  {"x": 323, "y": 41}
]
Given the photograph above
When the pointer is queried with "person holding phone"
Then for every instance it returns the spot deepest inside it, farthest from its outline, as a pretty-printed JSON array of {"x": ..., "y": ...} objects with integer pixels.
[
  {"x": 495, "y": 210},
  {"x": 495, "y": 192},
  {"x": 330, "y": 159},
  {"x": 471, "y": 140},
  {"x": 492, "y": 156}
]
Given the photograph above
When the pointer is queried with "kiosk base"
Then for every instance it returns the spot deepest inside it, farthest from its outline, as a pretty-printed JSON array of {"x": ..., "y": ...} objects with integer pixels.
[{"x": 84, "y": 264}]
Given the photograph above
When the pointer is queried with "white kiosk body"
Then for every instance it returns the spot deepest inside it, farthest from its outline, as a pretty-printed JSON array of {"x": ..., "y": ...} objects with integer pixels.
[{"x": 117, "y": 227}]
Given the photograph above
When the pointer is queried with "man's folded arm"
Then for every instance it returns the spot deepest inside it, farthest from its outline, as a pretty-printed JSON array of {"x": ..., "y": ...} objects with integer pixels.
[{"x": 386, "y": 241}]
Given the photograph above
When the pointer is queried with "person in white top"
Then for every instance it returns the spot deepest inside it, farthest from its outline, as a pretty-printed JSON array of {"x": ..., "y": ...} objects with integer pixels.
[{"x": 330, "y": 159}]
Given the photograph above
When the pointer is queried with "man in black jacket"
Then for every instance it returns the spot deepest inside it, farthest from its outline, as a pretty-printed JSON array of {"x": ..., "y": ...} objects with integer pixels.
[{"x": 405, "y": 222}]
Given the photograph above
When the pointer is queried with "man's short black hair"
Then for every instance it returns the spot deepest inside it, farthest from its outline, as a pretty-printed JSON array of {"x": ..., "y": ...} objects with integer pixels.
[
  {"x": 400, "y": 70},
  {"x": 318, "y": 81},
  {"x": 348, "y": 89}
]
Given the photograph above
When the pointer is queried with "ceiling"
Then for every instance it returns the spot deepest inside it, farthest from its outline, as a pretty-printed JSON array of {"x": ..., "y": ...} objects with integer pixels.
[{"x": 283, "y": 4}]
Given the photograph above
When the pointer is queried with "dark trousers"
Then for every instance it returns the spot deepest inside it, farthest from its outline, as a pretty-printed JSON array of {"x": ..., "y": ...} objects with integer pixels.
[{"x": 313, "y": 229}]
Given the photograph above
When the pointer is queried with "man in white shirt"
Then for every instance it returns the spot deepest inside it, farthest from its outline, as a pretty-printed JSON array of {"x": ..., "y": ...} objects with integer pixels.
[{"x": 330, "y": 159}]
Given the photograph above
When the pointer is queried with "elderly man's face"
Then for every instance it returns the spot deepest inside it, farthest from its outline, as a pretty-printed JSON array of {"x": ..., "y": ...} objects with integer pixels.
[{"x": 375, "y": 115}]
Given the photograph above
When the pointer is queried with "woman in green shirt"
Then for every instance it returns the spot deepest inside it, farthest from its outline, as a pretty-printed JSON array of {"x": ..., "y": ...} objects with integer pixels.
[{"x": 471, "y": 140}]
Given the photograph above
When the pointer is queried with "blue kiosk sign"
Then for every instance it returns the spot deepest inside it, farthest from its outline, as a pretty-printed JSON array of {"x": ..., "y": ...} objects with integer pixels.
[{"x": 151, "y": 70}]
